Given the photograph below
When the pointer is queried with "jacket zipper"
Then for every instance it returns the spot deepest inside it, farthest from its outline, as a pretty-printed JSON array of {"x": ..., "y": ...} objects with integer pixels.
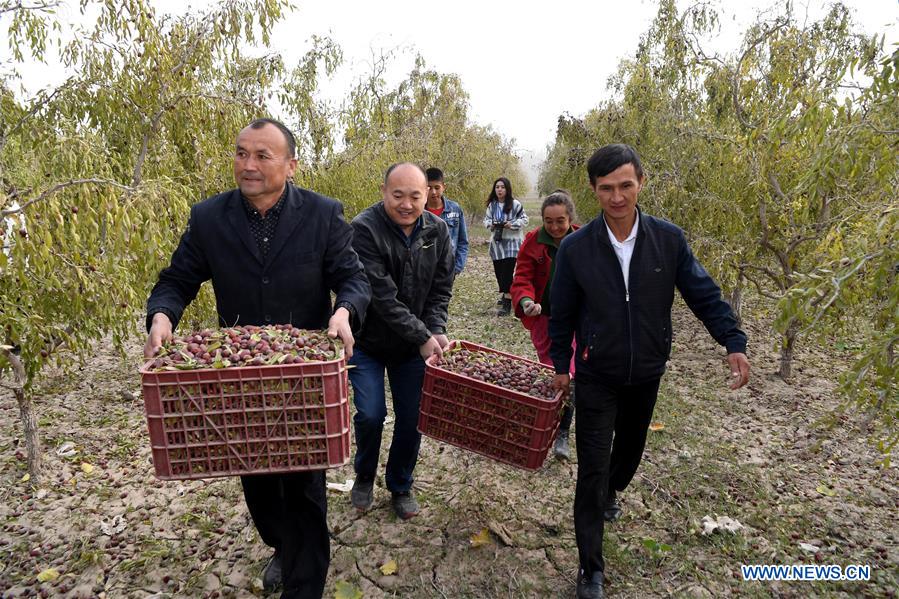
[{"x": 630, "y": 335}]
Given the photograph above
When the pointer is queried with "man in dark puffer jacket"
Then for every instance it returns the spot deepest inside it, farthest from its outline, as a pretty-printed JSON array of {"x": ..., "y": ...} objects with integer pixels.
[
  {"x": 408, "y": 258},
  {"x": 613, "y": 288}
]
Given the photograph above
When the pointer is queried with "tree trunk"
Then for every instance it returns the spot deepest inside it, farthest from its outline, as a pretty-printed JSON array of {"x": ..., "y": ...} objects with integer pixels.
[
  {"x": 736, "y": 299},
  {"x": 32, "y": 438},
  {"x": 29, "y": 422},
  {"x": 786, "y": 351}
]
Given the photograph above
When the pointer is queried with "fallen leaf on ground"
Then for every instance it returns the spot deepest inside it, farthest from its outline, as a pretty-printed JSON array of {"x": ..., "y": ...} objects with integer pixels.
[
  {"x": 721, "y": 523},
  {"x": 341, "y": 487},
  {"x": 501, "y": 533},
  {"x": 825, "y": 490},
  {"x": 656, "y": 426},
  {"x": 809, "y": 547},
  {"x": 87, "y": 468},
  {"x": 48, "y": 574},
  {"x": 345, "y": 590},
  {"x": 482, "y": 538},
  {"x": 389, "y": 568},
  {"x": 26, "y": 478},
  {"x": 66, "y": 450},
  {"x": 114, "y": 526}
]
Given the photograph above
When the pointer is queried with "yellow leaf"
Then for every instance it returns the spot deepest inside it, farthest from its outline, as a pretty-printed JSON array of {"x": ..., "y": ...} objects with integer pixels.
[
  {"x": 86, "y": 468},
  {"x": 656, "y": 426},
  {"x": 389, "y": 568},
  {"x": 482, "y": 538},
  {"x": 48, "y": 574},
  {"x": 26, "y": 478},
  {"x": 825, "y": 490}
]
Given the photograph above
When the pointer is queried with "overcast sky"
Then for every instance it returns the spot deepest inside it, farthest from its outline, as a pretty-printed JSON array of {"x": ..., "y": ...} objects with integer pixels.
[{"x": 522, "y": 63}]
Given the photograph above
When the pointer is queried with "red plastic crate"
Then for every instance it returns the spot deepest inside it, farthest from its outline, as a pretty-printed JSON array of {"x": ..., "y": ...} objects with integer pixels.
[
  {"x": 506, "y": 425},
  {"x": 247, "y": 420}
]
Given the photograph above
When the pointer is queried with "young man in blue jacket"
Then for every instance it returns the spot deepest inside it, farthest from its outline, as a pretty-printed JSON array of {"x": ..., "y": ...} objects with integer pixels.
[
  {"x": 451, "y": 213},
  {"x": 613, "y": 288},
  {"x": 274, "y": 253}
]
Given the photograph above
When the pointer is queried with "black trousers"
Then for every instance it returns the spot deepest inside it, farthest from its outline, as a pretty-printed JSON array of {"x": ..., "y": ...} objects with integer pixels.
[
  {"x": 504, "y": 270},
  {"x": 612, "y": 421},
  {"x": 290, "y": 513}
]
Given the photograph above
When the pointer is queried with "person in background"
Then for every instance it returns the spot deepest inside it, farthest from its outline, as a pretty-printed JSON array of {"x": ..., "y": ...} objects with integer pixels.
[
  {"x": 614, "y": 287},
  {"x": 451, "y": 213},
  {"x": 531, "y": 287},
  {"x": 408, "y": 259},
  {"x": 506, "y": 219},
  {"x": 274, "y": 253}
]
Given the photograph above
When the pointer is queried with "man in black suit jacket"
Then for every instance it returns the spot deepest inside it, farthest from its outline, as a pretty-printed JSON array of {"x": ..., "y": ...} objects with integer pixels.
[{"x": 273, "y": 252}]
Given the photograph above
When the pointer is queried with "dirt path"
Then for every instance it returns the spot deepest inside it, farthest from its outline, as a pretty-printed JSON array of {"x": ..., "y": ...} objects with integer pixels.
[{"x": 111, "y": 530}]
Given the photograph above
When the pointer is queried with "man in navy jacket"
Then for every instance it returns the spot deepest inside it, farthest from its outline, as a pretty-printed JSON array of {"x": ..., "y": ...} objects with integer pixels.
[
  {"x": 273, "y": 252},
  {"x": 613, "y": 288}
]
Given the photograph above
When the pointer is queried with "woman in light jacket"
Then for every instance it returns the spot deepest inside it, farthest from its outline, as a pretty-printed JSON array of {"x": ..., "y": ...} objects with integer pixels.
[{"x": 506, "y": 219}]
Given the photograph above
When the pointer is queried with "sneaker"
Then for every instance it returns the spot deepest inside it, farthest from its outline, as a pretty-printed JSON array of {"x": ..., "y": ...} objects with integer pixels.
[
  {"x": 612, "y": 511},
  {"x": 404, "y": 505},
  {"x": 362, "y": 494},
  {"x": 561, "y": 449},
  {"x": 589, "y": 587},
  {"x": 271, "y": 574}
]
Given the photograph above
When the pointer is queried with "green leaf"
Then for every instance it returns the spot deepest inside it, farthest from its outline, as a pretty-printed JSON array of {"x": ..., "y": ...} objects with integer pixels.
[{"x": 345, "y": 590}]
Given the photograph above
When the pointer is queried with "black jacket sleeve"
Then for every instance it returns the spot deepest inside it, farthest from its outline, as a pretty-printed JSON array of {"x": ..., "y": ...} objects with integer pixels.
[
  {"x": 437, "y": 303},
  {"x": 343, "y": 270},
  {"x": 565, "y": 301},
  {"x": 703, "y": 296},
  {"x": 179, "y": 283}
]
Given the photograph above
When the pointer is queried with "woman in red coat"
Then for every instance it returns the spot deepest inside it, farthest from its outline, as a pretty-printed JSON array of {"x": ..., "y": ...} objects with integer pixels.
[{"x": 531, "y": 285}]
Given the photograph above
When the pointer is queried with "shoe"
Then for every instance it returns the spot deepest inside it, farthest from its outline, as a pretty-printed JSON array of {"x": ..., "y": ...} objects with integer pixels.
[
  {"x": 612, "y": 511},
  {"x": 499, "y": 302},
  {"x": 589, "y": 587},
  {"x": 405, "y": 505},
  {"x": 505, "y": 307},
  {"x": 271, "y": 574},
  {"x": 362, "y": 494},
  {"x": 560, "y": 448}
]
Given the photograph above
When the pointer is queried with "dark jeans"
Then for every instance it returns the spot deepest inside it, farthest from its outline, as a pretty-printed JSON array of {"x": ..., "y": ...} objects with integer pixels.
[
  {"x": 290, "y": 513},
  {"x": 604, "y": 464},
  {"x": 371, "y": 408},
  {"x": 504, "y": 269}
]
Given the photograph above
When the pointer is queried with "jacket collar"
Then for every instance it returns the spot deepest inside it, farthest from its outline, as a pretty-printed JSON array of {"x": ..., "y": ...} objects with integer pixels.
[{"x": 600, "y": 225}]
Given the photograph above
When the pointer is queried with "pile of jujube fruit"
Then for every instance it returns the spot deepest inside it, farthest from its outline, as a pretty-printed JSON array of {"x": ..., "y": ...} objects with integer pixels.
[
  {"x": 246, "y": 346},
  {"x": 499, "y": 370}
]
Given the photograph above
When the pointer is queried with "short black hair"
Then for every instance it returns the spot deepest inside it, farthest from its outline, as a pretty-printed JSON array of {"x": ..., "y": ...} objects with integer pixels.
[
  {"x": 393, "y": 166},
  {"x": 434, "y": 174},
  {"x": 610, "y": 157},
  {"x": 288, "y": 136}
]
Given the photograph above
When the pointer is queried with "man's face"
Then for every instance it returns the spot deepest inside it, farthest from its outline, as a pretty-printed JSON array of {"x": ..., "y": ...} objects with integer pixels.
[
  {"x": 261, "y": 162},
  {"x": 405, "y": 194},
  {"x": 435, "y": 191},
  {"x": 617, "y": 192}
]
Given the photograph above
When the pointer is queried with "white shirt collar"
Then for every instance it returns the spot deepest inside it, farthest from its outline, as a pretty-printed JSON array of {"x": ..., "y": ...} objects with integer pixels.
[{"x": 631, "y": 236}]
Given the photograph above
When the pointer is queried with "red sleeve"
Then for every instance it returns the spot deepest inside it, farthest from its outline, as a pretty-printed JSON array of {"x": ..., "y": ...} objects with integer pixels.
[{"x": 525, "y": 267}]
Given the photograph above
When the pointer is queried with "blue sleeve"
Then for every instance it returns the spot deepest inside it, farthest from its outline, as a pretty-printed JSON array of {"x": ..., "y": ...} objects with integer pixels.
[
  {"x": 565, "y": 301},
  {"x": 461, "y": 243}
]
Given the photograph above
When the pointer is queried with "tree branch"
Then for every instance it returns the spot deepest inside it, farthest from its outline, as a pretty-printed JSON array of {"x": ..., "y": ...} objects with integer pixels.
[{"x": 61, "y": 186}]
